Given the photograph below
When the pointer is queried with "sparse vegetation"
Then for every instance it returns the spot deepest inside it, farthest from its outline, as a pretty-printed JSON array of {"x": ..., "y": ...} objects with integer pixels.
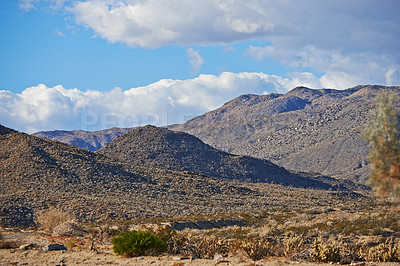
[
  {"x": 256, "y": 248},
  {"x": 369, "y": 232},
  {"x": 49, "y": 219}
]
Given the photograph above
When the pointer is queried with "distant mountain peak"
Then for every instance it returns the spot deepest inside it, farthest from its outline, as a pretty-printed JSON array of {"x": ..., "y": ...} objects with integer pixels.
[{"x": 87, "y": 140}]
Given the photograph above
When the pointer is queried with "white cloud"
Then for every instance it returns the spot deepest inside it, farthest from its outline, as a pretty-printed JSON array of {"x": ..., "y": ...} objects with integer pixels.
[
  {"x": 340, "y": 70},
  {"x": 28, "y": 5},
  {"x": 195, "y": 59},
  {"x": 392, "y": 76},
  {"x": 161, "y": 103},
  {"x": 355, "y": 41},
  {"x": 155, "y": 23}
]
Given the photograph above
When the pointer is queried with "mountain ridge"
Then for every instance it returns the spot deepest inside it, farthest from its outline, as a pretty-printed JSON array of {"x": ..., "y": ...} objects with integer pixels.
[
  {"x": 155, "y": 147},
  {"x": 36, "y": 174},
  {"x": 92, "y": 141},
  {"x": 323, "y": 136}
]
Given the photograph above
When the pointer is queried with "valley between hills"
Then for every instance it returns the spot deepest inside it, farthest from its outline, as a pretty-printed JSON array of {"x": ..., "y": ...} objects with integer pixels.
[{"x": 256, "y": 158}]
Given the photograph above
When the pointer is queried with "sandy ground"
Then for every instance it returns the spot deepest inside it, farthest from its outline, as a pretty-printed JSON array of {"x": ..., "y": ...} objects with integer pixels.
[{"x": 72, "y": 257}]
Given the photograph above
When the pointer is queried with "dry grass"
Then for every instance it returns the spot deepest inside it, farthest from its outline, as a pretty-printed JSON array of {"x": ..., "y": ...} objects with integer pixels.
[
  {"x": 320, "y": 235},
  {"x": 49, "y": 219}
]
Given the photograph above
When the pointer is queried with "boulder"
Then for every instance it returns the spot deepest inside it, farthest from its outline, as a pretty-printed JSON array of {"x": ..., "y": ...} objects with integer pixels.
[
  {"x": 51, "y": 247},
  {"x": 67, "y": 229}
]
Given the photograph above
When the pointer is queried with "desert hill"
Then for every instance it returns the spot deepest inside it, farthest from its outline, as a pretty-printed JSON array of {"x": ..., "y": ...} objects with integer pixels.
[
  {"x": 155, "y": 147},
  {"x": 37, "y": 173},
  {"x": 83, "y": 139},
  {"x": 303, "y": 130}
]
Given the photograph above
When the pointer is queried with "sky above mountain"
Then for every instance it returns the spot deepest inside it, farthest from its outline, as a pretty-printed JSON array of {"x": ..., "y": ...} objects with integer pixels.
[{"x": 96, "y": 64}]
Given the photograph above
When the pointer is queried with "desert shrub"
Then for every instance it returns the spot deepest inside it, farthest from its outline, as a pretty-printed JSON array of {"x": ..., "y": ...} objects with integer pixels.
[
  {"x": 213, "y": 245},
  {"x": 51, "y": 218},
  {"x": 352, "y": 252},
  {"x": 292, "y": 244},
  {"x": 206, "y": 246},
  {"x": 70, "y": 244},
  {"x": 256, "y": 248},
  {"x": 325, "y": 253},
  {"x": 171, "y": 238},
  {"x": 138, "y": 243},
  {"x": 385, "y": 252}
]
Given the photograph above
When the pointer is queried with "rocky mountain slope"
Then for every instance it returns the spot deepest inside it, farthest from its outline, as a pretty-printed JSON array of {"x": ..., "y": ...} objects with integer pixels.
[
  {"x": 5, "y": 130},
  {"x": 162, "y": 148},
  {"x": 83, "y": 139},
  {"x": 38, "y": 173},
  {"x": 304, "y": 130}
]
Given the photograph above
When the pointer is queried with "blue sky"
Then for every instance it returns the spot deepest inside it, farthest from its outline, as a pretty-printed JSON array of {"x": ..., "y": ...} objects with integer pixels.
[
  {"x": 47, "y": 46},
  {"x": 94, "y": 64}
]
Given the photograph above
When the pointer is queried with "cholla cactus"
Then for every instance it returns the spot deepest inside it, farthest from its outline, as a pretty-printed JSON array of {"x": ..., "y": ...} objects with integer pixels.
[
  {"x": 256, "y": 248},
  {"x": 325, "y": 253},
  {"x": 385, "y": 252},
  {"x": 292, "y": 244}
]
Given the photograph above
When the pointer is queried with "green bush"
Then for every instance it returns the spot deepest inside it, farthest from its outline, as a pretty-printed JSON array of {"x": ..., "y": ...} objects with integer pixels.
[{"x": 138, "y": 243}]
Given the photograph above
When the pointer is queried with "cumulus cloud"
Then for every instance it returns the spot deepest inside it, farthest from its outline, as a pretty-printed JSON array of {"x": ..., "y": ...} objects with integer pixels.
[
  {"x": 354, "y": 41},
  {"x": 195, "y": 59},
  {"x": 164, "y": 102},
  {"x": 155, "y": 23}
]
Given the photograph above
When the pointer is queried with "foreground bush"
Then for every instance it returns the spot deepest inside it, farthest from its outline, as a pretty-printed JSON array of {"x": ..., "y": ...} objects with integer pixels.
[{"x": 138, "y": 243}]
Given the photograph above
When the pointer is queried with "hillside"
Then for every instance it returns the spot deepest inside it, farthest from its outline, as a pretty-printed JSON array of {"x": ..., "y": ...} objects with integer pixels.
[
  {"x": 83, "y": 139},
  {"x": 37, "y": 173},
  {"x": 4, "y": 130},
  {"x": 304, "y": 130},
  {"x": 154, "y": 147}
]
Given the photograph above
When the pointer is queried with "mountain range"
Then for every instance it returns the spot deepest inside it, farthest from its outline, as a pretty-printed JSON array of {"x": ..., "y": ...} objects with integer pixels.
[
  {"x": 155, "y": 147},
  {"x": 37, "y": 174},
  {"x": 298, "y": 149},
  {"x": 91, "y": 141},
  {"x": 305, "y": 130}
]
